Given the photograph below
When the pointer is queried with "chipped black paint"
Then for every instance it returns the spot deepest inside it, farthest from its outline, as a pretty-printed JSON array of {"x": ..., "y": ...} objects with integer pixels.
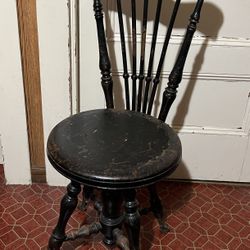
[{"x": 115, "y": 149}]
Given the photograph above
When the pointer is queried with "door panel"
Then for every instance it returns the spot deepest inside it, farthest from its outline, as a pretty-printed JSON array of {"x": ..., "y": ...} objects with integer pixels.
[{"x": 215, "y": 157}]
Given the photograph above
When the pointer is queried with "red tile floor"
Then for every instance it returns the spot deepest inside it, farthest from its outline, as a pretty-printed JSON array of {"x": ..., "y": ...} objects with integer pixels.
[{"x": 201, "y": 216}]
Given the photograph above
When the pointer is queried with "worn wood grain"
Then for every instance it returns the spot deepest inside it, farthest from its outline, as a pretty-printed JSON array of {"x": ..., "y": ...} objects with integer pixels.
[{"x": 27, "y": 21}]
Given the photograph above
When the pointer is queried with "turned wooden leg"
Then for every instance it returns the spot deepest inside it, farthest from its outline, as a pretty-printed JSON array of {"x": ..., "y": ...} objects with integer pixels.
[
  {"x": 157, "y": 209},
  {"x": 87, "y": 194},
  {"x": 68, "y": 205},
  {"x": 132, "y": 219},
  {"x": 111, "y": 216}
]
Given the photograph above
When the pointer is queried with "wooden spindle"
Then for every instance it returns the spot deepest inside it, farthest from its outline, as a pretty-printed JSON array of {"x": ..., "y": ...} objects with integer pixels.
[
  {"x": 124, "y": 54},
  {"x": 104, "y": 62},
  {"x": 142, "y": 58},
  {"x": 163, "y": 54},
  {"x": 134, "y": 53},
  {"x": 175, "y": 76},
  {"x": 152, "y": 53}
]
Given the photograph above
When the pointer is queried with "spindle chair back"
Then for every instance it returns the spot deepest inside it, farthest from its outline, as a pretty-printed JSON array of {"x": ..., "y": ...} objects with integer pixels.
[{"x": 144, "y": 83}]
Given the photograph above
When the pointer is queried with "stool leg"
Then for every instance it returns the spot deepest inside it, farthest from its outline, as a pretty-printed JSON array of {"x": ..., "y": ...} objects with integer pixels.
[
  {"x": 111, "y": 216},
  {"x": 68, "y": 205},
  {"x": 132, "y": 219},
  {"x": 87, "y": 194},
  {"x": 157, "y": 209}
]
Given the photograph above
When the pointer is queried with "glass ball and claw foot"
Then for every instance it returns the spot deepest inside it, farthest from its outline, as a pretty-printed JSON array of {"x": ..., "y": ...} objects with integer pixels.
[
  {"x": 156, "y": 208},
  {"x": 116, "y": 152},
  {"x": 111, "y": 219},
  {"x": 88, "y": 196}
]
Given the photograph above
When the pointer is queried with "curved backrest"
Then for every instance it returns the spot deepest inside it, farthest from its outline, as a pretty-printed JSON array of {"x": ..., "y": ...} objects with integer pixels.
[{"x": 144, "y": 83}]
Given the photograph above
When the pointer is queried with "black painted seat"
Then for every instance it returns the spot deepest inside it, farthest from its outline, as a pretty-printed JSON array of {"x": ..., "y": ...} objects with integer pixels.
[{"x": 114, "y": 149}]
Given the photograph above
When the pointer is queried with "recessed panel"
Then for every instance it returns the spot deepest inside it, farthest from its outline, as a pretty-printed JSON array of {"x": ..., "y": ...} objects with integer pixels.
[
  {"x": 217, "y": 18},
  {"x": 213, "y": 158},
  {"x": 201, "y": 103},
  {"x": 203, "y": 57}
]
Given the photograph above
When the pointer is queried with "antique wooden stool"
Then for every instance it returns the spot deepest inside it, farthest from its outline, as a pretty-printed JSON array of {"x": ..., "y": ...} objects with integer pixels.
[{"x": 118, "y": 151}]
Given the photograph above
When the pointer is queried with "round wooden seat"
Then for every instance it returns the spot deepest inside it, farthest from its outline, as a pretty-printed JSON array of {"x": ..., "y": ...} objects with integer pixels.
[{"x": 113, "y": 149}]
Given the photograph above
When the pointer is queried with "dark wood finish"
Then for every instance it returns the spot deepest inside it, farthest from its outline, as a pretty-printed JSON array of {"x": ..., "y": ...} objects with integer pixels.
[
  {"x": 27, "y": 21},
  {"x": 84, "y": 231},
  {"x": 111, "y": 216},
  {"x": 163, "y": 55},
  {"x": 68, "y": 205},
  {"x": 124, "y": 54},
  {"x": 134, "y": 54},
  {"x": 152, "y": 54},
  {"x": 118, "y": 151},
  {"x": 157, "y": 209},
  {"x": 87, "y": 196},
  {"x": 132, "y": 219},
  {"x": 142, "y": 58},
  {"x": 175, "y": 76},
  {"x": 148, "y": 96},
  {"x": 104, "y": 61}
]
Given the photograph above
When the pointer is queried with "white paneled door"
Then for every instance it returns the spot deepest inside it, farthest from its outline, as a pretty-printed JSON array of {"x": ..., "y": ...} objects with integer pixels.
[{"x": 212, "y": 110}]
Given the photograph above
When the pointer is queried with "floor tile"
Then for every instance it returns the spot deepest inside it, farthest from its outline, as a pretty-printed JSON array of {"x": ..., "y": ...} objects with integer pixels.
[{"x": 200, "y": 217}]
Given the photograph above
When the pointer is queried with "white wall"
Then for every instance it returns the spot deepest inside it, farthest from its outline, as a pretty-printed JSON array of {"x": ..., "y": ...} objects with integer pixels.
[
  {"x": 53, "y": 27},
  {"x": 13, "y": 127},
  {"x": 1, "y": 154}
]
